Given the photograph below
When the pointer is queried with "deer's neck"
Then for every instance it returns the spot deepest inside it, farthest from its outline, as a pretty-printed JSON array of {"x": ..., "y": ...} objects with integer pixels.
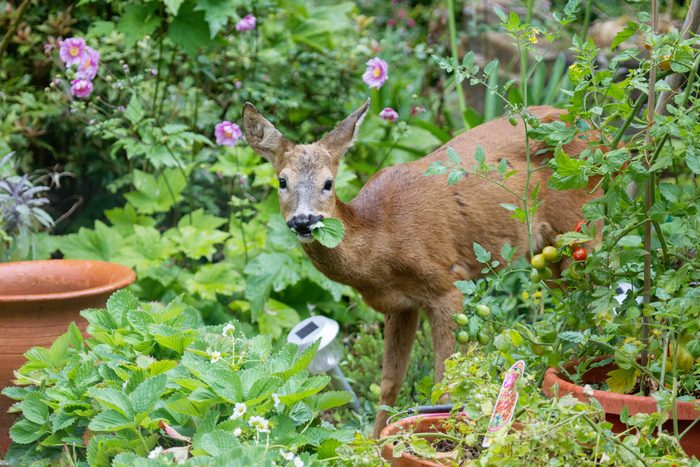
[{"x": 347, "y": 262}]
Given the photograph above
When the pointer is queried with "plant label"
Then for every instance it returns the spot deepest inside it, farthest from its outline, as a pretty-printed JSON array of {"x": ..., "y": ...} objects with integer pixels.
[{"x": 504, "y": 408}]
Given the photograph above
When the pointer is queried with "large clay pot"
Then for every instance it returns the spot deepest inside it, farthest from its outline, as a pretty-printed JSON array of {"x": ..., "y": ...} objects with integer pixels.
[
  {"x": 613, "y": 402},
  {"x": 38, "y": 300},
  {"x": 429, "y": 423}
]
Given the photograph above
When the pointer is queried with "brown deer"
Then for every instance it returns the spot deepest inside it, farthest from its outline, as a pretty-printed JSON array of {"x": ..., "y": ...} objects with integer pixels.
[{"x": 409, "y": 237}]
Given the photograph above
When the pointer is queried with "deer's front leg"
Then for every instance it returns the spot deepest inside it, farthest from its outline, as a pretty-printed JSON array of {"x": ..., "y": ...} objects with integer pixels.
[
  {"x": 399, "y": 334},
  {"x": 442, "y": 328}
]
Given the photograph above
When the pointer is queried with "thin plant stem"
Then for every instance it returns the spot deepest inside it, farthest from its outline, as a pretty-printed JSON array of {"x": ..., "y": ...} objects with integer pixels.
[
  {"x": 455, "y": 55},
  {"x": 648, "y": 201},
  {"x": 586, "y": 19}
]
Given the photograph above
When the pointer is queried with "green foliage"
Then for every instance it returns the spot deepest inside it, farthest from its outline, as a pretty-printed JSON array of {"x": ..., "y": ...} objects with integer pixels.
[
  {"x": 330, "y": 233},
  {"x": 154, "y": 379}
]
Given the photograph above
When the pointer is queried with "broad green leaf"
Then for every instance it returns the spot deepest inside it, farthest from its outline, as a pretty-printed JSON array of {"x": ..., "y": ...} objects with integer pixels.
[
  {"x": 113, "y": 399},
  {"x": 217, "y": 12},
  {"x": 330, "y": 233},
  {"x": 138, "y": 21},
  {"x": 103, "y": 243},
  {"x": 332, "y": 399},
  {"x": 110, "y": 420},
  {"x": 173, "y": 6},
  {"x": 189, "y": 30},
  {"x": 34, "y": 409},
  {"x": 25, "y": 432},
  {"x": 146, "y": 395},
  {"x": 622, "y": 380},
  {"x": 156, "y": 193}
]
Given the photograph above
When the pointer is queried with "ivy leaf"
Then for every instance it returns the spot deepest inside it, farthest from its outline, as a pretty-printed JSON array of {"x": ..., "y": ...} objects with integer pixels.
[
  {"x": 138, "y": 21},
  {"x": 189, "y": 30},
  {"x": 330, "y": 233}
]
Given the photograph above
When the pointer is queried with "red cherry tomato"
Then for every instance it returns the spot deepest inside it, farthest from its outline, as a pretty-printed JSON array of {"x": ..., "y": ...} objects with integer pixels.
[
  {"x": 580, "y": 254},
  {"x": 579, "y": 226}
]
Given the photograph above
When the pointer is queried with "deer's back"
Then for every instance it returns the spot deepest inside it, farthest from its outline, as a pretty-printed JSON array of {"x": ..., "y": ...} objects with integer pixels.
[{"x": 430, "y": 227}]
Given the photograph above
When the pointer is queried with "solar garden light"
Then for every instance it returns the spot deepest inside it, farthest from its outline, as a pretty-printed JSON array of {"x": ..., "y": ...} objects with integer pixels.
[{"x": 330, "y": 351}]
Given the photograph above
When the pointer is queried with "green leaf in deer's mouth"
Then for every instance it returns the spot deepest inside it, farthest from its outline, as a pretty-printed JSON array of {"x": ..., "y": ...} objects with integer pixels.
[{"x": 329, "y": 232}]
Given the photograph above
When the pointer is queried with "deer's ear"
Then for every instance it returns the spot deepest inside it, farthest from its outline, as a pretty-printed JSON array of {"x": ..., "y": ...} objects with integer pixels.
[
  {"x": 343, "y": 136},
  {"x": 262, "y": 136}
]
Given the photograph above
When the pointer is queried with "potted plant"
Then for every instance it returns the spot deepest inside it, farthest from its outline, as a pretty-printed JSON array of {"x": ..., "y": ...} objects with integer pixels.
[
  {"x": 38, "y": 299},
  {"x": 565, "y": 429}
]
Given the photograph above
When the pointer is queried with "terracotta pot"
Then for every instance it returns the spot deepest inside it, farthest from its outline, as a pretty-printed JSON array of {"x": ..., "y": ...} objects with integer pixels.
[
  {"x": 428, "y": 423},
  {"x": 613, "y": 402},
  {"x": 38, "y": 300}
]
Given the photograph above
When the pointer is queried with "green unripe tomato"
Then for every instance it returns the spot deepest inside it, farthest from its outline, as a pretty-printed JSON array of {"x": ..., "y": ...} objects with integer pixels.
[
  {"x": 534, "y": 122},
  {"x": 513, "y": 120},
  {"x": 484, "y": 338},
  {"x": 463, "y": 337},
  {"x": 538, "y": 262},
  {"x": 482, "y": 310},
  {"x": 551, "y": 254},
  {"x": 461, "y": 319},
  {"x": 535, "y": 276}
]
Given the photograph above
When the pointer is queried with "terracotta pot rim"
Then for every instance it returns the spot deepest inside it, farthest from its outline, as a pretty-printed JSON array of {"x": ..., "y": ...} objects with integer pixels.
[
  {"x": 689, "y": 410},
  {"x": 123, "y": 276}
]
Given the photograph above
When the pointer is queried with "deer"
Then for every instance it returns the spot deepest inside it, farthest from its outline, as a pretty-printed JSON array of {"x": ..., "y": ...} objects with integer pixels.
[{"x": 408, "y": 236}]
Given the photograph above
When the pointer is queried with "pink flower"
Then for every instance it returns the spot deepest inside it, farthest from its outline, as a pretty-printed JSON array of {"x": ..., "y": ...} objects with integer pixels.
[
  {"x": 377, "y": 73},
  {"x": 410, "y": 22},
  {"x": 389, "y": 114},
  {"x": 81, "y": 88},
  {"x": 246, "y": 24},
  {"x": 227, "y": 133},
  {"x": 72, "y": 51},
  {"x": 417, "y": 109},
  {"x": 391, "y": 23},
  {"x": 87, "y": 68}
]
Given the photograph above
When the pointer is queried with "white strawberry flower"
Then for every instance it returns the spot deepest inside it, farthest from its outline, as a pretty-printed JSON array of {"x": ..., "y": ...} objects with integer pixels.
[
  {"x": 228, "y": 330},
  {"x": 260, "y": 424},
  {"x": 238, "y": 411},
  {"x": 215, "y": 356}
]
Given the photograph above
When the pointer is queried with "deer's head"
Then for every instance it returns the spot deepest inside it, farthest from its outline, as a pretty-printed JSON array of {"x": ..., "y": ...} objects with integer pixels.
[{"x": 306, "y": 171}]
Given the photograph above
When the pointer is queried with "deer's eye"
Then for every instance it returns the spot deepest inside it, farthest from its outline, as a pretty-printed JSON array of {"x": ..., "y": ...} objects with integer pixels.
[
  {"x": 328, "y": 185},
  {"x": 283, "y": 183}
]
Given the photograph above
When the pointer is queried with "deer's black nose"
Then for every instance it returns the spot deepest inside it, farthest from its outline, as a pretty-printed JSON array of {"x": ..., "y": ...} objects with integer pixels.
[{"x": 302, "y": 223}]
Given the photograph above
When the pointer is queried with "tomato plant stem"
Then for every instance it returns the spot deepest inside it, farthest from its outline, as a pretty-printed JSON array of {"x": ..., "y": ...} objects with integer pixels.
[
  {"x": 648, "y": 201},
  {"x": 455, "y": 55}
]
